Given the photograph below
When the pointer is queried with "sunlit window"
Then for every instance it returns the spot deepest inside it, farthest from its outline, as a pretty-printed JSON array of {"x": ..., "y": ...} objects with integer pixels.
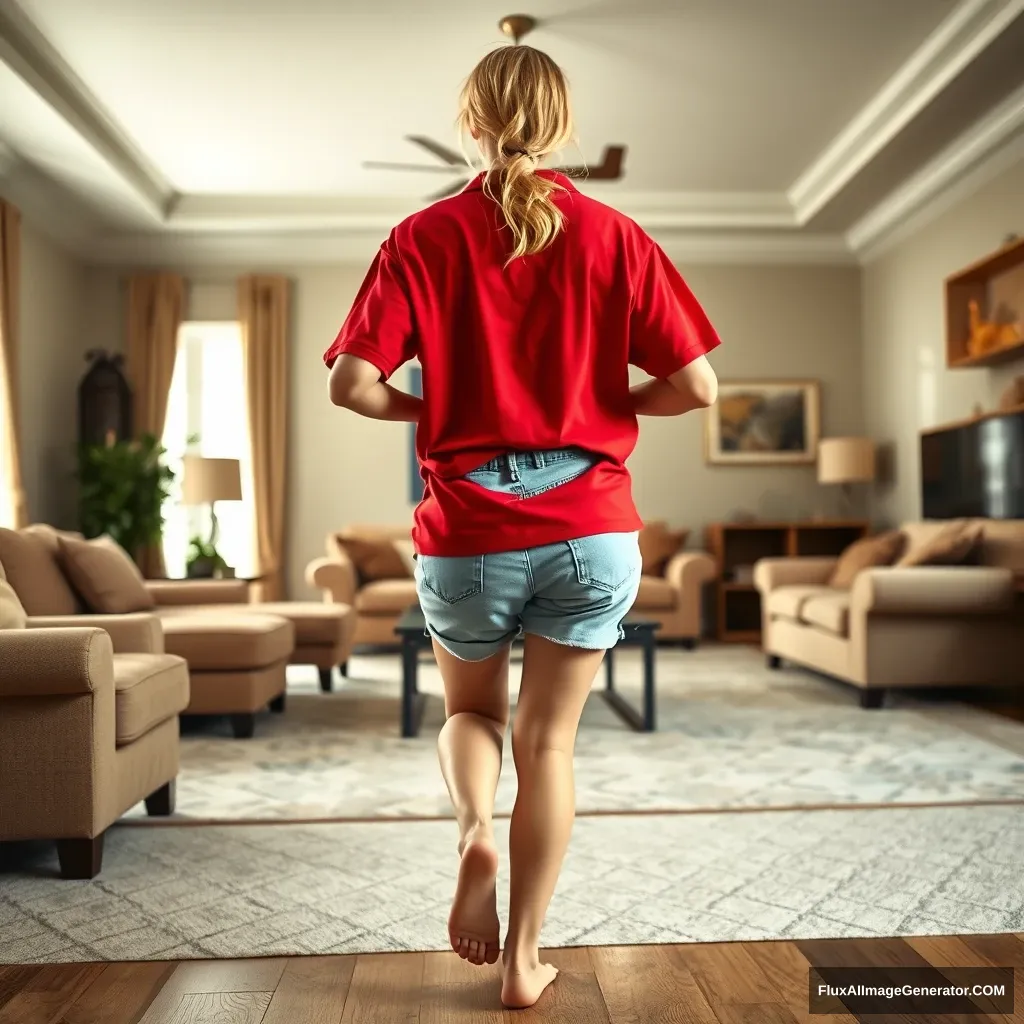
[{"x": 206, "y": 415}]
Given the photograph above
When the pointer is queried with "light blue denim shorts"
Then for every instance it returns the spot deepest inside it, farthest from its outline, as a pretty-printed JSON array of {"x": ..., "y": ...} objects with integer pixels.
[{"x": 575, "y": 592}]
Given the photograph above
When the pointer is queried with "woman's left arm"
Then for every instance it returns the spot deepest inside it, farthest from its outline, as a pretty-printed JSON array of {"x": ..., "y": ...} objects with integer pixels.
[{"x": 355, "y": 384}]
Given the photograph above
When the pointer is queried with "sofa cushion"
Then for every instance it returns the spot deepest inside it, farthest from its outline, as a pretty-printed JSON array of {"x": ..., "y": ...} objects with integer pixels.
[
  {"x": 830, "y": 612},
  {"x": 148, "y": 689},
  {"x": 12, "y": 615},
  {"x": 104, "y": 574},
  {"x": 655, "y": 593},
  {"x": 868, "y": 553},
  {"x": 375, "y": 558},
  {"x": 787, "y": 602},
  {"x": 657, "y": 545},
  {"x": 386, "y": 597},
  {"x": 226, "y": 641},
  {"x": 316, "y": 624},
  {"x": 1002, "y": 546},
  {"x": 953, "y": 544},
  {"x": 32, "y": 569}
]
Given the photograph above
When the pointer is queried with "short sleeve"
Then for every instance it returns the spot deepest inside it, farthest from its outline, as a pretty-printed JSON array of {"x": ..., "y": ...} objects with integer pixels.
[
  {"x": 668, "y": 328},
  {"x": 379, "y": 327}
]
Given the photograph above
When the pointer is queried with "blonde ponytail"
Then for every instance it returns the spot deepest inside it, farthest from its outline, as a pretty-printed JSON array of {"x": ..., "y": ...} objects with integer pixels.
[{"x": 519, "y": 99}]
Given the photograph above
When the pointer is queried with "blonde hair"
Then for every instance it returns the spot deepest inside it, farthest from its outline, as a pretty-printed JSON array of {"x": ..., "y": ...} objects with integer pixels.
[{"x": 518, "y": 96}]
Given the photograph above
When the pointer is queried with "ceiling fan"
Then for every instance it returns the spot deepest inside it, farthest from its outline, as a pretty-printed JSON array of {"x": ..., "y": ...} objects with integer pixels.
[{"x": 515, "y": 26}]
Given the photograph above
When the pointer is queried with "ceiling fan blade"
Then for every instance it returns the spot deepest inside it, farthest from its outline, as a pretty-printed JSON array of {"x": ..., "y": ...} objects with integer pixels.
[
  {"x": 609, "y": 169},
  {"x": 384, "y": 165},
  {"x": 449, "y": 156},
  {"x": 450, "y": 191}
]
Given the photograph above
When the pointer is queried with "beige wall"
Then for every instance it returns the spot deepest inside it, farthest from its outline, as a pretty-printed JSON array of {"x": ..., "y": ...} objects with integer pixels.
[
  {"x": 54, "y": 339},
  {"x": 906, "y": 384},
  {"x": 776, "y": 322}
]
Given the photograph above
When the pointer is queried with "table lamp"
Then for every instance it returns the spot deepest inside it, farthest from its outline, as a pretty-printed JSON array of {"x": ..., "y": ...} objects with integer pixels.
[
  {"x": 846, "y": 461},
  {"x": 207, "y": 481}
]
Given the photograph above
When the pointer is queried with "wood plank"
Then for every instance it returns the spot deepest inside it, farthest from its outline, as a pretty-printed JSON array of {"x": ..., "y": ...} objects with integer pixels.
[
  {"x": 120, "y": 995},
  {"x": 569, "y": 960},
  {"x": 312, "y": 990},
  {"x": 222, "y": 1008},
  {"x": 788, "y": 970},
  {"x": 385, "y": 989},
  {"x": 998, "y": 950},
  {"x": 49, "y": 992},
  {"x": 573, "y": 998},
  {"x": 950, "y": 951},
  {"x": 456, "y": 991},
  {"x": 13, "y": 980},
  {"x": 197, "y": 977},
  {"x": 757, "y": 1013},
  {"x": 647, "y": 983},
  {"x": 726, "y": 973}
]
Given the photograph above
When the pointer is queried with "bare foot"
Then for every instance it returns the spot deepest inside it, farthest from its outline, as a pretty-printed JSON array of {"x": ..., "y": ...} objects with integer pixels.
[
  {"x": 473, "y": 928},
  {"x": 522, "y": 986}
]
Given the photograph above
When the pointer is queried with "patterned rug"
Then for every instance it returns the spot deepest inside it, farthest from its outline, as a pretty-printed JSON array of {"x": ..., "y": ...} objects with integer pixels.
[
  {"x": 731, "y": 734},
  {"x": 263, "y": 890}
]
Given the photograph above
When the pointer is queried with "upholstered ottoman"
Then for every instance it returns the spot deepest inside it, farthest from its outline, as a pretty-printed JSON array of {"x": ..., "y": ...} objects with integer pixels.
[{"x": 236, "y": 661}]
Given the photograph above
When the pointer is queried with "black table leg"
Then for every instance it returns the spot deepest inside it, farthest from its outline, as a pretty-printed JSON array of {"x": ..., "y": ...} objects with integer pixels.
[
  {"x": 412, "y": 699},
  {"x": 640, "y": 721}
]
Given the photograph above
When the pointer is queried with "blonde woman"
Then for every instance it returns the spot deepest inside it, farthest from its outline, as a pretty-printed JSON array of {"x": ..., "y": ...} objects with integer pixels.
[{"x": 525, "y": 302}]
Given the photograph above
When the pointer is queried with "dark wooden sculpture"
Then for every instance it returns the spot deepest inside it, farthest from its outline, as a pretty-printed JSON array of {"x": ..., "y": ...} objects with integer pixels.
[{"x": 104, "y": 400}]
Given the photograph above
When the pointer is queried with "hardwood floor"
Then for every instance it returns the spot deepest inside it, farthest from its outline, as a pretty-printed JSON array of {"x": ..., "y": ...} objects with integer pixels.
[{"x": 727, "y": 983}]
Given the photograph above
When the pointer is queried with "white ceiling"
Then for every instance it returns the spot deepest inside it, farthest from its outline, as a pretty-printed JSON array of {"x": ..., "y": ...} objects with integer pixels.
[{"x": 207, "y": 117}]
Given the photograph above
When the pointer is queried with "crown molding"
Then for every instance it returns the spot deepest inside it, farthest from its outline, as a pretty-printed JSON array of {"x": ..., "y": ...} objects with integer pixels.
[
  {"x": 968, "y": 30},
  {"x": 31, "y": 56},
  {"x": 992, "y": 145}
]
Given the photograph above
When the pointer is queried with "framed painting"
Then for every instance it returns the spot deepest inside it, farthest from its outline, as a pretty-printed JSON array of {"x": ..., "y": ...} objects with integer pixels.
[{"x": 764, "y": 423}]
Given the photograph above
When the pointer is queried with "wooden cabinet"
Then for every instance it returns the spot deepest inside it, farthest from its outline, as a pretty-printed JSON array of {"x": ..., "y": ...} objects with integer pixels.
[
  {"x": 990, "y": 291},
  {"x": 737, "y": 547}
]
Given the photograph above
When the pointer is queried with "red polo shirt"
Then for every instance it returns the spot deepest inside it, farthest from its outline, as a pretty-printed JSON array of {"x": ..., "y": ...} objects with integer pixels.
[{"x": 519, "y": 358}]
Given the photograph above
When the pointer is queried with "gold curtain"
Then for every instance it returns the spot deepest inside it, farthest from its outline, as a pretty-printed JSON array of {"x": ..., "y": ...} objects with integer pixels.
[
  {"x": 156, "y": 306},
  {"x": 264, "y": 311},
  {"x": 10, "y": 295}
]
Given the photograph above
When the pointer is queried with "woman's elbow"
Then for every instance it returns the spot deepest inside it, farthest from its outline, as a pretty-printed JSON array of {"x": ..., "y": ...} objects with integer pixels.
[{"x": 706, "y": 391}]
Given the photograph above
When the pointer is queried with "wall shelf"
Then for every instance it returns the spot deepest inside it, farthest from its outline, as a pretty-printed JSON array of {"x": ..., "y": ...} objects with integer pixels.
[{"x": 996, "y": 284}]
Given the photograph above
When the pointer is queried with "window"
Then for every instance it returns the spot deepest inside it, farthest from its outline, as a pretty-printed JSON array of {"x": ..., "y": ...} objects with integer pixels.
[
  {"x": 6, "y": 495},
  {"x": 207, "y": 415}
]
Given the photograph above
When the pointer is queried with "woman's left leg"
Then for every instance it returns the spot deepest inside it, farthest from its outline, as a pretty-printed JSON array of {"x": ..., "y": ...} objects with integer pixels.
[{"x": 469, "y": 748}]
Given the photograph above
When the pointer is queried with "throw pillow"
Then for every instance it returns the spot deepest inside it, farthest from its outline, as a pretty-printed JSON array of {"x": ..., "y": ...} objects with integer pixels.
[
  {"x": 12, "y": 615},
  {"x": 34, "y": 573},
  {"x": 868, "y": 553},
  {"x": 657, "y": 545},
  {"x": 104, "y": 574},
  {"x": 952, "y": 545},
  {"x": 375, "y": 558}
]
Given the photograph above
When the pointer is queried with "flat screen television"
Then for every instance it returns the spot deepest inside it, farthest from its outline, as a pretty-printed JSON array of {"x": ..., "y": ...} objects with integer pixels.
[{"x": 974, "y": 470}]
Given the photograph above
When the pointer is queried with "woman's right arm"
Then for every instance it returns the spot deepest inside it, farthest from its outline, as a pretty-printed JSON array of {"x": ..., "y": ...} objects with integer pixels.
[{"x": 695, "y": 386}]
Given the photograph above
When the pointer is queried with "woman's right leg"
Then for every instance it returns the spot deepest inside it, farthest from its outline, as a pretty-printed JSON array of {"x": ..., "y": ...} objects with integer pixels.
[{"x": 555, "y": 683}]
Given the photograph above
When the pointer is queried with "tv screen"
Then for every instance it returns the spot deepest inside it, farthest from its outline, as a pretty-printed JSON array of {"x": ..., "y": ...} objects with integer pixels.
[{"x": 974, "y": 470}]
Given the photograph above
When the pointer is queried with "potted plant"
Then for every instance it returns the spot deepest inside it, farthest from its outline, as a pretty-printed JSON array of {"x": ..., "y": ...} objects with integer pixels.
[
  {"x": 122, "y": 487},
  {"x": 203, "y": 561}
]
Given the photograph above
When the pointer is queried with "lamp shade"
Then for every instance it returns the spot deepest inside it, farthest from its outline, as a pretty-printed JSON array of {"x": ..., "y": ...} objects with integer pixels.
[
  {"x": 209, "y": 480},
  {"x": 846, "y": 460}
]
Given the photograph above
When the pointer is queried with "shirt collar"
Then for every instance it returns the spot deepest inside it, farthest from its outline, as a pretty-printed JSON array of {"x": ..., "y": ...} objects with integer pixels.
[{"x": 477, "y": 184}]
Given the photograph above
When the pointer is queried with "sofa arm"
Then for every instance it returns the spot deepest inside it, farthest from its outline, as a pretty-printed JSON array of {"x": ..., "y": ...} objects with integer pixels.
[
  {"x": 138, "y": 633},
  {"x": 168, "y": 593},
  {"x": 690, "y": 569},
  {"x": 335, "y": 577},
  {"x": 55, "y": 662},
  {"x": 932, "y": 590},
  {"x": 799, "y": 571}
]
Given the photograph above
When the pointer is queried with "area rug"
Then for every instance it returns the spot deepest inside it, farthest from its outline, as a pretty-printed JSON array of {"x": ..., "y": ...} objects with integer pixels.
[
  {"x": 731, "y": 734},
  {"x": 240, "y": 891}
]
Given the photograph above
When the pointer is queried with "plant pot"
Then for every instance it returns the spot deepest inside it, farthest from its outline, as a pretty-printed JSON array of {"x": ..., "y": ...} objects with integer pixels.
[{"x": 201, "y": 569}]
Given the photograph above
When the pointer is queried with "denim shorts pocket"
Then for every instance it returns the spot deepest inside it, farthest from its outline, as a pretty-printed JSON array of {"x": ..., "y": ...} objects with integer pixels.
[
  {"x": 607, "y": 561},
  {"x": 451, "y": 578}
]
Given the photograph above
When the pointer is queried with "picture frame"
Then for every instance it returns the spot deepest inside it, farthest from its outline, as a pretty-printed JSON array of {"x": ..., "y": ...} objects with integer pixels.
[{"x": 764, "y": 423}]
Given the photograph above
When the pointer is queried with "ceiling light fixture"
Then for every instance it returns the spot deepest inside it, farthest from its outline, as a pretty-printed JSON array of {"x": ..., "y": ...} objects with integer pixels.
[{"x": 515, "y": 26}]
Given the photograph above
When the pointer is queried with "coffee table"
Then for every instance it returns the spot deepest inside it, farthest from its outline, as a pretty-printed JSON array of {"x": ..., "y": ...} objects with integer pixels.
[{"x": 412, "y": 630}]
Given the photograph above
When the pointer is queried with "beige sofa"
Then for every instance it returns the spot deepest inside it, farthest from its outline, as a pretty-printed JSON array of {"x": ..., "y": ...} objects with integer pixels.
[
  {"x": 902, "y": 627},
  {"x": 88, "y": 728},
  {"x": 237, "y": 652},
  {"x": 672, "y": 594}
]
